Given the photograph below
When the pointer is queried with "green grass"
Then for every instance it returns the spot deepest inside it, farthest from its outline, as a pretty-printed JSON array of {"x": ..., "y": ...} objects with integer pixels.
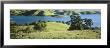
[
  {"x": 56, "y": 31},
  {"x": 88, "y": 34},
  {"x": 53, "y": 26}
]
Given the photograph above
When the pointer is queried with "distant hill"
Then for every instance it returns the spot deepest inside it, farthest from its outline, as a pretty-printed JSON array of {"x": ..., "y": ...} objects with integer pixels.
[{"x": 52, "y": 12}]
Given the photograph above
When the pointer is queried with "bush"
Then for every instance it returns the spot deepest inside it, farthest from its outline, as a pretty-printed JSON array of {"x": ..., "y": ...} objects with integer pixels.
[
  {"x": 96, "y": 28},
  {"x": 13, "y": 29},
  {"x": 63, "y": 22},
  {"x": 28, "y": 30},
  {"x": 33, "y": 23},
  {"x": 40, "y": 26}
]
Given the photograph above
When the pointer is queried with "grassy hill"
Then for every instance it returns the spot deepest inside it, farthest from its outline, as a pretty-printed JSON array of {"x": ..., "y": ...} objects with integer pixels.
[
  {"x": 53, "y": 26},
  {"x": 56, "y": 31}
]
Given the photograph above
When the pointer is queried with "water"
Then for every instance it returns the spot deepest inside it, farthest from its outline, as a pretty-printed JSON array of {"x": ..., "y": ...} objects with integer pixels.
[
  {"x": 96, "y": 18},
  {"x": 28, "y": 19}
]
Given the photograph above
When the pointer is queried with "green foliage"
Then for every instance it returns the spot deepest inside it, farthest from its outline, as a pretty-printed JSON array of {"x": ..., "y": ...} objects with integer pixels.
[
  {"x": 15, "y": 12},
  {"x": 58, "y": 16},
  {"x": 40, "y": 26},
  {"x": 96, "y": 28},
  {"x": 89, "y": 12},
  {"x": 18, "y": 12},
  {"x": 83, "y": 12},
  {"x": 84, "y": 34},
  {"x": 49, "y": 12},
  {"x": 75, "y": 13},
  {"x": 28, "y": 29},
  {"x": 54, "y": 31},
  {"x": 13, "y": 29},
  {"x": 18, "y": 32},
  {"x": 98, "y": 12},
  {"x": 76, "y": 23},
  {"x": 88, "y": 23},
  {"x": 33, "y": 23},
  {"x": 45, "y": 12},
  {"x": 15, "y": 33},
  {"x": 71, "y": 12}
]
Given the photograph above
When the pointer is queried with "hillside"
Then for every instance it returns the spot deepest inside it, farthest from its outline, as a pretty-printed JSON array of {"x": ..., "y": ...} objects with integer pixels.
[
  {"x": 50, "y": 12},
  {"x": 53, "y": 26},
  {"x": 55, "y": 31}
]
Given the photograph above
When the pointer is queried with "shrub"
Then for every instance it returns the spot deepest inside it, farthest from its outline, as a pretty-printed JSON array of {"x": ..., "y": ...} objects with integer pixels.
[
  {"x": 33, "y": 23},
  {"x": 40, "y": 26},
  {"x": 28, "y": 30}
]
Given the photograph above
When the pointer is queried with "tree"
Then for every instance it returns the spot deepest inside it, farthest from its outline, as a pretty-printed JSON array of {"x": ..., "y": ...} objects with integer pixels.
[
  {"x": 63, "y": 22},
  {"x": 88, "y": 23},
  {"x": 68, "y": 22},
  {"x": 76, "y": 23},
  {"x": 40, "y": 26},
  {"x": 20, "y": 12},
  {"x": 33, "y": 23}
]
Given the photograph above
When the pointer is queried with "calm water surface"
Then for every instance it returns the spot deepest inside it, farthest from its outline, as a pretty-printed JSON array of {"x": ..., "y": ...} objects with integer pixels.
[{"x": 28, "y": 19}]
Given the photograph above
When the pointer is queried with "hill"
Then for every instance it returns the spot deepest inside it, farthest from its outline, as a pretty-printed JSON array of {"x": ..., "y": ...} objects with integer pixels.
[{"x": 55, "y": 31}]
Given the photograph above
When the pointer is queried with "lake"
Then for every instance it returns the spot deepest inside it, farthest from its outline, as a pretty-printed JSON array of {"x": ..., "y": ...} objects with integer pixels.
[{"x": 28, "y": 19}]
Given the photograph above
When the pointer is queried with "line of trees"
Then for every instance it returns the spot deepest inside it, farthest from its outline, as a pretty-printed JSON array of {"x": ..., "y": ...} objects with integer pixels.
[{"x": 79, "y": 24}]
